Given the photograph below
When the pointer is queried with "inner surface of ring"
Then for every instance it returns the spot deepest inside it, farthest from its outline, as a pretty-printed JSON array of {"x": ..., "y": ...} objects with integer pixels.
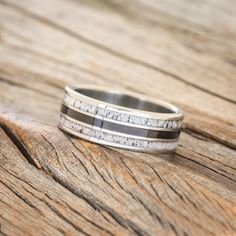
[{"x": 124, "y": 100}]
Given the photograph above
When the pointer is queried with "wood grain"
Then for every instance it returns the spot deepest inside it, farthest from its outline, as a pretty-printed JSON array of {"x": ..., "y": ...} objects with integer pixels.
[{"x": 54, "y": 184}]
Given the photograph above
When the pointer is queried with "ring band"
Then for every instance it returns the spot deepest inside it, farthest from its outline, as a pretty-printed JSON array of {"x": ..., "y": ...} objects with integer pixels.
[{"x": 120, "y": 119}]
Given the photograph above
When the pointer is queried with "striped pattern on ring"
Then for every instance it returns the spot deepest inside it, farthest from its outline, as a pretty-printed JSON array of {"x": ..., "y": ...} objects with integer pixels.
[
  {"x": 121, "y": 140},
  {"x": 107, "y": 125},
  {"x": 121, "y": 115}
]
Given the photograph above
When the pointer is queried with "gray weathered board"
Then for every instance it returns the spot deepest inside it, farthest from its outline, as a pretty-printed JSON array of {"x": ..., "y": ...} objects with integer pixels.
[{"x": 180, "y": 51}]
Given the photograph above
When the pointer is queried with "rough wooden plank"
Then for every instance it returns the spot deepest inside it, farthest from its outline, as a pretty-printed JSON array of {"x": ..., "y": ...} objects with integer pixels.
[
  {"x": 144, "y": 193},
  {"x": 180, "y": 47},
  {"x": 194, "y": 147},
  {"x": 88, "y": 189},
  {"x": 32, "y": 203},
  {"x": 199, "y": 105}
]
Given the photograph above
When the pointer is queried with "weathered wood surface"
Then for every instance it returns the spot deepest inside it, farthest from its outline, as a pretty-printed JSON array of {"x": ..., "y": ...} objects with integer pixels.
[{"x": 180, "y": 51}]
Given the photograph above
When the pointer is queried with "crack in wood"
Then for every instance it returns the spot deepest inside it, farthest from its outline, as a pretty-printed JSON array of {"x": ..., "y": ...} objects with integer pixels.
[
  {"x": 98, "y": 206},
  {"x": 19, "y": 145},
  {"x": 21, "y": 85},
  {"x": 206, "y": 167},
  {"x": 25, "y": 200},
  {"x": 204, "y": 136}
]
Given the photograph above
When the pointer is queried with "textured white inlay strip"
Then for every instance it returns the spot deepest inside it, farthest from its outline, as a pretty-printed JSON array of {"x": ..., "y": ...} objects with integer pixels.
[
  {"x": 122, "y": 116},
  {"x": 132, "y": 142}
]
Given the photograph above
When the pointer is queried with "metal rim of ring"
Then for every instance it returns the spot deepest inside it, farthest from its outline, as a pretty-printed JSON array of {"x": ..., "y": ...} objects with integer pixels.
[{"x": 120, "y": 119}]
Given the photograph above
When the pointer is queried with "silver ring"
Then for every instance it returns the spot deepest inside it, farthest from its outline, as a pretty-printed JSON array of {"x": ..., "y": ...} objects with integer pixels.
[{"x": 120, "y": 119}]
